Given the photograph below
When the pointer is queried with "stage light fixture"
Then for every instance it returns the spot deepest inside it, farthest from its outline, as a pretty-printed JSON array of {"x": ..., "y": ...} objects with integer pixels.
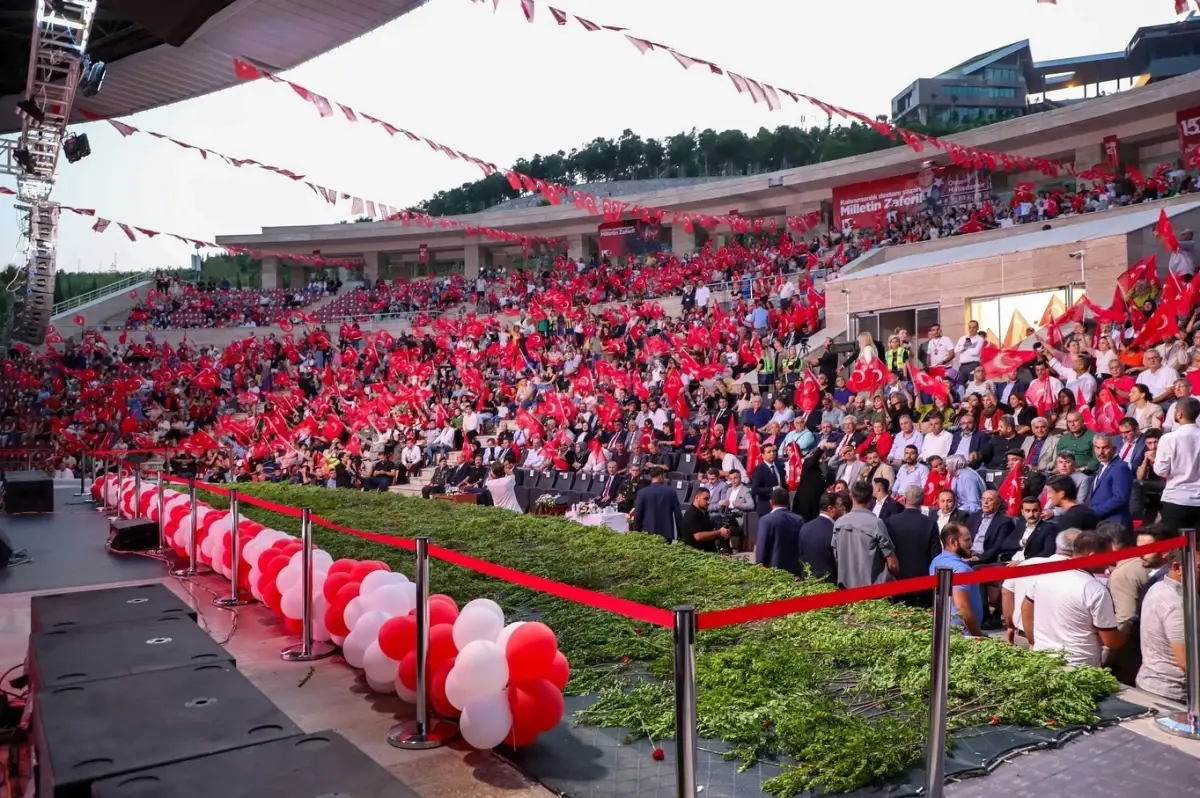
[
  {"x": 28, "y": 110},
  {"x": 23, "y": 157},
  {"x": 76, "y": 147},
  {"x": 91, "y": 76}
]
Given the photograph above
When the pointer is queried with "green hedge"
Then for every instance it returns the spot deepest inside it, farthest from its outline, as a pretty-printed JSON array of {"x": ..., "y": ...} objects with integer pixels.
[{"x": 840, "y": 693}]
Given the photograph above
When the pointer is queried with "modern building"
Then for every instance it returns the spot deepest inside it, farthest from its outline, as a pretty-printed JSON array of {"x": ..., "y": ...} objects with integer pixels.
[
  {"x": 1008, "y": 82},
  {"x": 1140, "y": 127}
]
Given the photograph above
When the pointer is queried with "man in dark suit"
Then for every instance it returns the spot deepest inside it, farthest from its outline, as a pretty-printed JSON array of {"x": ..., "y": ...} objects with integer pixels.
[
  {"x": 656, "y": 509},
  {"x": 1039, "y": 534},
  {"x": 778, "y": 540},
  {"x": 915, "y": 536},
  {"x": 611, "y": 482},
  {"x": 768, "y": 475},
  {"x": 976, "y": 441},
  {"x": 994, "y": 536},
  {"x": 816, "y": 540},
  {"x": 1113, "y": 484},
  {"x": 1132, "y": 446},
  {"x": 883, "y": 496}
]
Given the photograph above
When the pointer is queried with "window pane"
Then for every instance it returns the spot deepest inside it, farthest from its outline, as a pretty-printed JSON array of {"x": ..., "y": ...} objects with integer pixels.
[{"x": 926, "y": 318}]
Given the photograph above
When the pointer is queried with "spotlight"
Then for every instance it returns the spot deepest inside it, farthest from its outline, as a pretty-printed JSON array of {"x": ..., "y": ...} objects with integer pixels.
[
  {"x": 29, "y": 111},
  {"x": 91, "y": 76},
  {"x": 25, "y": 159},
  {"x": 76, "y": 147}
]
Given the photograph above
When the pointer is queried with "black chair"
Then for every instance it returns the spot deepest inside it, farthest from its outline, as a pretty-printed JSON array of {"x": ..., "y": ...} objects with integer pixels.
[
  {"x": 683, "y": 490},
  {"x": 687, "y": 464},
  {"x": 564, "y": 480},
  {"x": 544, "y": 480},
  {"x": 749, "y": 530},
  {"x": 595, "y": 487},
  {"x": 523, "y": 497},
  {"x": 568, "y": 497},
  {"x": 583, "y": 483}
]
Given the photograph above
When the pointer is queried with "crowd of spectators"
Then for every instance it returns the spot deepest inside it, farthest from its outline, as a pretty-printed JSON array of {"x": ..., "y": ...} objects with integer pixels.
[{"x": 176, "y": 304}]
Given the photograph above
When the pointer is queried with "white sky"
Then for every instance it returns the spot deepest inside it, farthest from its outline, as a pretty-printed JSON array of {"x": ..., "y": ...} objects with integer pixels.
[{"x": 499, "y": 88}]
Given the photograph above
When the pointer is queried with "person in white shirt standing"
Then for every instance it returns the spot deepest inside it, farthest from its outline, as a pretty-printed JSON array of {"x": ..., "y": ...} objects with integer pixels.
[
  {"x": 1071, "y": 611},
  {"x": 969, "y": 350},
  {"x": 1013, "y": 590},
  {"x": 939, "y": 350},
  {"x": 1178, "y": 462}
]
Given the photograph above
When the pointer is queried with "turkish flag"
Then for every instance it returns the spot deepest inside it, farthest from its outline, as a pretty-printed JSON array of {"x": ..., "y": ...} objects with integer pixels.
[
  {"x": 926, "y": 384},
  {"x": 808, "y": 393},
  {"x": 1041, "y": 395},
  {"x": 1145, "y": 269},
  {"x": 751, "y": 449},
  {"x": 1161, "y": 326},
  {"x": 80, "y": 320},
  {"x": 1010, "y": 492},
  {"x": 868, "y": 375},
  {"x": 997, "y": 363}
]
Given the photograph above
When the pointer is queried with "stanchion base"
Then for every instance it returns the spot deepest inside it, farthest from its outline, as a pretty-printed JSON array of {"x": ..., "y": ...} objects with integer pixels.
[
  {"x": 408, "y": 735},
  {"x": 318, "y": 651},
  {"x": 230, "y": 601},
  {"x": 189, "y": 571},
  {"x": 1180, "y": 724}
]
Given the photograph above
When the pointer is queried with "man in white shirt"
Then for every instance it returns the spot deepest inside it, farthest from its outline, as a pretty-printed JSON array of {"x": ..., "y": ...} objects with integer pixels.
[
  {"x": 969, "y": 350},
  {"x": 702, "y": 295},
  {"x": 1077, "y": 378},
  {"x": 1013, "y": 590},
  {"x": 911, "y": 473},
  {"x": 1183, "y": 389},
  {"x": 937, "y": 442},
  {"x": 1071, "y": 612},
  {"x": 1178, "y": 462},
  {"x": 939, "y": 349},
  {"x": 908, "y": 435},
  {"x": 1158, "y": 378}
]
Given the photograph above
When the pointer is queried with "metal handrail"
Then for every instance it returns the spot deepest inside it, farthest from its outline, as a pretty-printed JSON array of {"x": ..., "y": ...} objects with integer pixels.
[{"x": 99, "y": 293}]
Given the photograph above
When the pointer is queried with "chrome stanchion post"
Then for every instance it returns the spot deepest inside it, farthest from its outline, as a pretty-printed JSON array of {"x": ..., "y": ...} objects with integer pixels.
[
  {"x": 935, "y": 754},
  {"x": 104, "y": 486},
  {"x": 83, "y": 474},
  {"x": 685, "y": 702},
  {"x": 164, "y": 545},
  {"x": 193, "y": 567},
  {"x": 308, "y": 650},
  {"x": 1187, "y": 723},
  {"x": 137, "y": 491},
  {"x": 235, "y": 597},
  {"x": 423, "y": 731}
]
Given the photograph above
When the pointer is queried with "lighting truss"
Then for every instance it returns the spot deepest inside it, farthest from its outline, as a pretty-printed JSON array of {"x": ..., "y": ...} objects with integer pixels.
[{"x": 8, "y": 161}]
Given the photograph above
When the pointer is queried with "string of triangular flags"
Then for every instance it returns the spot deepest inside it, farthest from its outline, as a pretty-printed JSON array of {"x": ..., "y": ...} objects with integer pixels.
[
  {"x": 1181, "y": 6},
  {"x": 612, "y": 209},
  {"x": 762, "y": 92},
  {"x": 358, "y": 205},
  {"x": 131, "y": 231}
]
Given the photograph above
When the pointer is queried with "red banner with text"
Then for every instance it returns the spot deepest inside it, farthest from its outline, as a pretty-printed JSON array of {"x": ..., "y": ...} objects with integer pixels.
[
  {"x": 618, "y": 239},
  {"x": 870, "y": 204},
  {"x": 1188, "y": 123}
]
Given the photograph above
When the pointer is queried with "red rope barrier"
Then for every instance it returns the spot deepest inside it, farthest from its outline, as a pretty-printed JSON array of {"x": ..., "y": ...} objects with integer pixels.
[{"x": 775, "y": 609}]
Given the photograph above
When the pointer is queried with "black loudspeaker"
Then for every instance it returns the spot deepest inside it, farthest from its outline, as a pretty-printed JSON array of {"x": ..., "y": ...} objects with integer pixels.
[
  {"x": 6, "y": 550},
  {"x": 85, "y": 609},
  {"x": 133, "y": 534},
  {"x": 28, "y": 492}
]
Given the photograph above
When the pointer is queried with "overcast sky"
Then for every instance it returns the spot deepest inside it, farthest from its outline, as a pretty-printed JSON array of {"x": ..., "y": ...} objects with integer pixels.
[{"x": 499, "y": 88}]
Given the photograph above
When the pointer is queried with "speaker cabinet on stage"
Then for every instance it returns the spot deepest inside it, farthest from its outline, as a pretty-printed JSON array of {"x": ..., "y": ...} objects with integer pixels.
[
  {"x": 112, "y": 727},
  {"x": 28, "y": 492},
  {"x": 133, "y": 534},
  {"x": 90, "y": 608},
  {"x": 59, "y": 658},
  {"x": 321, "y": 764}
]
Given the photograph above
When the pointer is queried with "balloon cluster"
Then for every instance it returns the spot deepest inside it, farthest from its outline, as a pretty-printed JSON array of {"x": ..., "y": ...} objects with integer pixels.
[{"x": 503, "y": 682}]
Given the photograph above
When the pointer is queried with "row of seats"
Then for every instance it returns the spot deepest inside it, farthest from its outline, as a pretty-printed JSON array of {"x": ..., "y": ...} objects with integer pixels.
[{"x": 575, "y": 487}]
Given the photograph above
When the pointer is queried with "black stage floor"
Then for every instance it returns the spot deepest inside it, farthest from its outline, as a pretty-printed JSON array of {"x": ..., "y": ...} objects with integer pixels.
[{"x": 66, "y": 549}]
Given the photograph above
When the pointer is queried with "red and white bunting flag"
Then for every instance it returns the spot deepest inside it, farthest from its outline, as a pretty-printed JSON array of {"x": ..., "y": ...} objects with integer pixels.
[
  {"x": 527, "y": 9},
  {"x": 739, "y": 82},
  {"x": 356, "y": 206},
  {"x": 391, "y": 129},
  {"x": 349, "y": 112},
  {"x": 128, "y": 231},
  {"x": 371, "y": 209},
  {"x": 587, "y": 24},
  {"x": 7, "y": 190},
  {"x": 122, "y": 128},
  {"x": 685, "y": 61},
  {"x": 146, "y": 233},
  {"x": 559, "y": 16},
  {"x": 101, "y": 225},
  {"x": 642, "y": 45},
  {"x": 322, "y": 104},
  {"x": 245, "y": 71}
]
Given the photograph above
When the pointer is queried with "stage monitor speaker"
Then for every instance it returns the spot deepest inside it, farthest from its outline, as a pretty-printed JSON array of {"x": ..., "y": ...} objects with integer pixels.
[
  {"x": 112, "y": 727},
  {"x": 59, "y": 658},
  {"x": 133, "y": 534},
  {"x": 86, "y": 609},
  {"x": 6, "y": 550},
  {"x": 28, "y": 492},
  {"x": 321, "y": 764}
]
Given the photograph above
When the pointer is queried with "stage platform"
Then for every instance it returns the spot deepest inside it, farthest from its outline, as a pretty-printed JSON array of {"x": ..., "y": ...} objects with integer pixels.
[{"x": 583, "y": 762}]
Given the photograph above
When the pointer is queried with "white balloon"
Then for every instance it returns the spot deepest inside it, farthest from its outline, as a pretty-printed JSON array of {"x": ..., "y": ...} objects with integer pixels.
[
  {"x": 375, "y": 580},
  {"x": 337, "y": 640},
  {"x": 291, "y": 604},
  {"x": 321, "y": 560},
  {"x": 355, "y": 609},
  {"x": 383, "y": 688},
  {"x": 320, "y": 606},
  {"x": 354, "y": 649},
  {"x": 369, "y": 623},
  {"x": 476, "y": 623},
  {"x": 394, "y": 599},
  {"x": 506, "y": 632},
  {"x": 288, "y": 578},
  {"x": 486, "y": 721},
  {"x": 406, "y": 695},
  {"x": 379, "y": 666},
  {"x": 456, "y": 694},
  {"x": 255, "y": 575},
  {"x": 489, "y": 604},
  {"x": 480, "y": 669}
]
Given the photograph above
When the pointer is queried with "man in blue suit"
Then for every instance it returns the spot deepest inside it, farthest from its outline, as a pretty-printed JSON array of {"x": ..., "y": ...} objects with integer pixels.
[
  {"x": 778, "y": 540},
  {"x": 656, "y": 509},
  {"x": 1113, "y": 484},
  {"x": 768, "y": 475},
  {"x": 816, "y": 539}
]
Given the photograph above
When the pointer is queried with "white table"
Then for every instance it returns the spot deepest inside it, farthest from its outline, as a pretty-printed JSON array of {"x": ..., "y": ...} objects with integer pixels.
[{"x": 616, "y": 521}]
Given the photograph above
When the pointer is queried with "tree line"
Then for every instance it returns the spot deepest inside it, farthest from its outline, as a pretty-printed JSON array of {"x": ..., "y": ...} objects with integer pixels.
[{"x": 694, "y": 153}]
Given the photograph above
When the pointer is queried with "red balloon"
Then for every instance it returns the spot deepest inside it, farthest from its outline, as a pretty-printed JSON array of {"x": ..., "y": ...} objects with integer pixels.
[
  {"x": 335, "y": 621},
  {"x": 408, "y": 671},
  {"x": 341, "y": 565},
  {"x": 441, "y": 644},
  {"x": 398, "y": 637},
  {"x": 437, "y": 691},
  {"x": 521, "y": 733},
  {"x": 360, "y": 570},
  {"x": 271, "y": 597},
  {"x": 273, "y": 567},
  {"x": 294, "y": 626},
  {"x": 346, "y": 593},
  {"x": 441, "y": 614},
  {"x": 333, "y": 583},
  {"x": 560, "y": 671},
  {"x": 281, "y": 544},
  {"x": 537, "y": 704},
  {"x": 530, "y": 652}
]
